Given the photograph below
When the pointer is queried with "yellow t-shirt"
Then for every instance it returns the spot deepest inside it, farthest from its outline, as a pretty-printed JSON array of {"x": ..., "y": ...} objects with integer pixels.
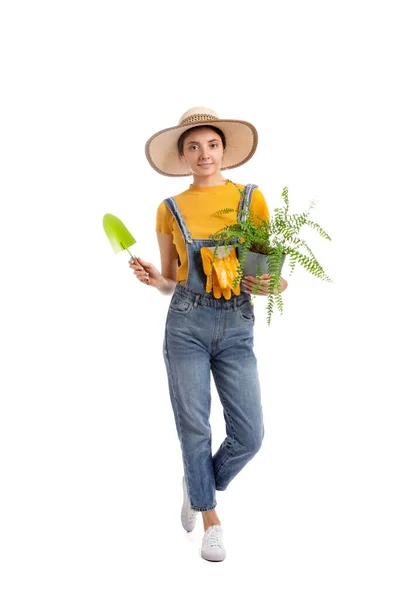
[{"x": 198, "y": 206}]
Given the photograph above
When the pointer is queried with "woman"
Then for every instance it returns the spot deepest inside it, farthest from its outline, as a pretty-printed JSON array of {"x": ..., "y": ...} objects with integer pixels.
[{"x": 206, "y": 332}]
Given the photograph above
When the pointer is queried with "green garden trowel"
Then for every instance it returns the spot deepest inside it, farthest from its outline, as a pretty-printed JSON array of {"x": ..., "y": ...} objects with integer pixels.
[{"x": 120, "y": 238}]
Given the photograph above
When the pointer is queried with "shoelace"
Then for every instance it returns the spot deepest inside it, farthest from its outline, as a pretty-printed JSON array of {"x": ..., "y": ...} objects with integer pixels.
[{"x": 215, "y": 538}]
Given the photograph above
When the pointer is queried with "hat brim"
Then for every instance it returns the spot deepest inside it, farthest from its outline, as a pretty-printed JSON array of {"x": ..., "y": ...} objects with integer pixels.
[{"x": 162, "y": 148}]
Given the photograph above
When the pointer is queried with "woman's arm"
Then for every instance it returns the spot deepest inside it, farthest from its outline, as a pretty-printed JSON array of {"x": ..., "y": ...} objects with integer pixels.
[
  {"x": 147, "y": 273},
  {"x": 169, "y": 263}
]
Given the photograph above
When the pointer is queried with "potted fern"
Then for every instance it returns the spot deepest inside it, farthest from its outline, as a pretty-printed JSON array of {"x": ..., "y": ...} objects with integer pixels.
[{"x": 264, "y": 246}]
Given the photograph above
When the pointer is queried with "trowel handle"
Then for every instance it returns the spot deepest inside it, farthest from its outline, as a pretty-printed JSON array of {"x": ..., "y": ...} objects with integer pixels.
[
  {"x": 134, "y": 258},
  {"x": 137, "y": 262},
  {"x": 132, "y": 255}
]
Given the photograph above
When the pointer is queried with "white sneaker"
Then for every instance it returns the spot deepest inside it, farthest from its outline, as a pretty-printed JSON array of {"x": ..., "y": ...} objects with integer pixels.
[
  {"x": 188, "y": 515},
  {"x": 212, "y": 547}
]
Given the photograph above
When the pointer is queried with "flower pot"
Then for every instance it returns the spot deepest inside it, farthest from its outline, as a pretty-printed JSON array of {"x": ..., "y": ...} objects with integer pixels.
[{"x": 256, "y": 264}]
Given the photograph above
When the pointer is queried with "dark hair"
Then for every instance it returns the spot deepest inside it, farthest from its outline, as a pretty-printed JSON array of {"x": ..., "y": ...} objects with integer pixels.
[{"x": 188, "y": 131}]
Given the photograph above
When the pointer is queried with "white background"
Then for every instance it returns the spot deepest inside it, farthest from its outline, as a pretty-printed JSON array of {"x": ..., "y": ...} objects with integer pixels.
[{"x": 90, "y": 463}]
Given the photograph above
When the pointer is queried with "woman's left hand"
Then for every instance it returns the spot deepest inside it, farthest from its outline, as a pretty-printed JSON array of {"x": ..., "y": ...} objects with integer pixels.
[{"x": 250, "y": 282}]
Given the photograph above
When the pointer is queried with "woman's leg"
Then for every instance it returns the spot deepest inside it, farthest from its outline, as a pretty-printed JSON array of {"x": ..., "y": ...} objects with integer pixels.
[
  {"x": 188, "y": 368},
  {"x": 235, "y": 373},
  {"x": 210, "y": 518}
]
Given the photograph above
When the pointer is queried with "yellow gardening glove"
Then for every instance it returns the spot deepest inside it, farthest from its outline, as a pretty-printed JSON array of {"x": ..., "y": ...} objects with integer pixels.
[
  {"x": 207, "y": 257},
  {"x": 215, "y": 285},
  {"x": 228, "y": 271},
  {"x": 212, "y": 283},
  {"x": 231, "y": 268},
  {"x": 220, "y": 268},
  {"x": 226, "y": 268},
  {"x": 221, "y": 271}
]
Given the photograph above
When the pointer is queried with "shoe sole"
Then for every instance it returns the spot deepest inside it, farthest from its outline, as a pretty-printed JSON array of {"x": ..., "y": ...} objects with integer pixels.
[{"x": 213, "y": 559}]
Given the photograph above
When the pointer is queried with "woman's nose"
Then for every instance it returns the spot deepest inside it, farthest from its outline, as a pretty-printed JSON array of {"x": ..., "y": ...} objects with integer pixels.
[{"x": 204, "y": 153}]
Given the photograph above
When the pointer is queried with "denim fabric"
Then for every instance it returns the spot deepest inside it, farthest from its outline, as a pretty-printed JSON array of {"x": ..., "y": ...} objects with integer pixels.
[{"x": 205, "y": 335}]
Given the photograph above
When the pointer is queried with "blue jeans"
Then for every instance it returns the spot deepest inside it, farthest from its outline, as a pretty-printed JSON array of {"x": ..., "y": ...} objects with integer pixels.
[{"x": 205, "y": 335}]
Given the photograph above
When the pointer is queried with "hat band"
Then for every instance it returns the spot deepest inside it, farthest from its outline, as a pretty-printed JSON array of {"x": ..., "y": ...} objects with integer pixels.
[{"x": 198, "y": 119}]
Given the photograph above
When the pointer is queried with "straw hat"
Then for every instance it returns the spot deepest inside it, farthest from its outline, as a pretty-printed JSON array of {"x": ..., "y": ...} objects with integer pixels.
[{"x": 162, "y": 148}]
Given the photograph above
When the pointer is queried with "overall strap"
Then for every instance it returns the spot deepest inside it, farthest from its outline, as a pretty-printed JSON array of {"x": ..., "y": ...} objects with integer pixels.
[
  {"x": 245, "y": 201},
  {"x": 173, "y": 207}
]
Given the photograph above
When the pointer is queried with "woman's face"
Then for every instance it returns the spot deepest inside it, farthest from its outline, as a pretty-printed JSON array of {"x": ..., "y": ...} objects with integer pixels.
[{"x": 203, "y": 151}]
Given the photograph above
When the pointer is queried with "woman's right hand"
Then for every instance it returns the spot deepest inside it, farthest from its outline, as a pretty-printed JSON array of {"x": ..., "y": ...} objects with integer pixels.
[{"x": 146, "y": 273}]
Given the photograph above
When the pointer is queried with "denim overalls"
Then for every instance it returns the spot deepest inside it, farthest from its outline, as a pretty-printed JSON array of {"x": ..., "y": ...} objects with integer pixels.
[{"x": 203, "y": 335}]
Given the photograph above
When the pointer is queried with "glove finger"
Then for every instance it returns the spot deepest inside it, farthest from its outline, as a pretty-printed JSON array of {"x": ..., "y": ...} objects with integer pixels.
[
  {"x": 216, "y": 286},
  {"x": 227, "y": 293},
  {"x": 206, "y": 260},
  {"x": 221, "y": 272}
]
